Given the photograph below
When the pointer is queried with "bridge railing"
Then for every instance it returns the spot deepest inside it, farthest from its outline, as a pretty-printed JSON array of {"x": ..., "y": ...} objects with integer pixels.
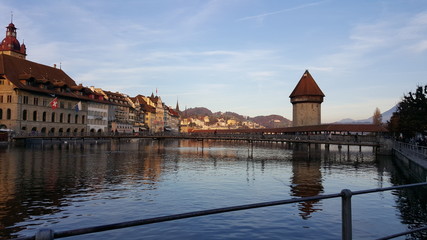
[
  {"x": 248, "y": 136},
  {"x": 346, "y": 215},
  {"x": 412, "y": 150},
  {"x": 353, "y": 138}
]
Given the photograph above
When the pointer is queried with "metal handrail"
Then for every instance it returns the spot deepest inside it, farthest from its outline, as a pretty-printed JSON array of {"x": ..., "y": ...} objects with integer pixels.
[
  {"x": 419, "y": 151},
  {"x": 346, "y": 194}
]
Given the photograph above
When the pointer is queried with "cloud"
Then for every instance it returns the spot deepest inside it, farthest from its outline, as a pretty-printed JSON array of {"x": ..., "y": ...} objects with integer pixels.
[
  {"x": 369, "y": 44},
  {"x": 261, "y": 17}
]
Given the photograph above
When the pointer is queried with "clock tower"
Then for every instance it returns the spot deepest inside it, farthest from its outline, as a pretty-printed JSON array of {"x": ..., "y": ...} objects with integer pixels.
[{"x": 10, "y": 44}]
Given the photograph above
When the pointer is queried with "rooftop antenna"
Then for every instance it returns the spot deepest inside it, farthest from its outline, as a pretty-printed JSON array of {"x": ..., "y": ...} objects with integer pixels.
[{"x": 11, "y": 16}]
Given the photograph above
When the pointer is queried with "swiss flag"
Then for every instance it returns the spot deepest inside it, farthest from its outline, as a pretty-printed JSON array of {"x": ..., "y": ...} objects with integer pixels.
[{"x": 54, "y": 103}]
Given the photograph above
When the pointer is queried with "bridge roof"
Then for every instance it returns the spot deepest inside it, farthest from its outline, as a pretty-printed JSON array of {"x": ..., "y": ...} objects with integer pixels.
[{"x": 359, "y": 128}]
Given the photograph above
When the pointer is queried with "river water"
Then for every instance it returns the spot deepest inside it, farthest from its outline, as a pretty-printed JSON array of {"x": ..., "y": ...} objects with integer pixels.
[{"x": 75, "y": 185}]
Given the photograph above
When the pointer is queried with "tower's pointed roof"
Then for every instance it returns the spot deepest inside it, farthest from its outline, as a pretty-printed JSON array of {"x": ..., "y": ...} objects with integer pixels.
[
  {"x": 177, "y": 106},
  {"x": 306, "y": 87}
]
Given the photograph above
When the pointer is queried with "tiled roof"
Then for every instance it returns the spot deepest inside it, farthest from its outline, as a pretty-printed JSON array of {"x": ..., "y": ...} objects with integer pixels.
[
  {"x": 144, "y": 105},
  {"x": 306, "y": 87},
  {"x": 173, "y": 112},
  {"x": 17, "y": 69}
]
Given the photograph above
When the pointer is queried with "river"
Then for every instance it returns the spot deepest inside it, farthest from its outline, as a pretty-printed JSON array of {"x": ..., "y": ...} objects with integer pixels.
[{"x": 74, "y": 185}]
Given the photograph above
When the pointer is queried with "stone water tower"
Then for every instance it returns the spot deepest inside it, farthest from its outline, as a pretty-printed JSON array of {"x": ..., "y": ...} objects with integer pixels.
[{"x": 306, "y": 99}]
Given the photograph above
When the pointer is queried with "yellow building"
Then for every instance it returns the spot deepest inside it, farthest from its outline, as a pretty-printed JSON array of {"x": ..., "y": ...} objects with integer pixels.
[{"x": 36, "y": 98}]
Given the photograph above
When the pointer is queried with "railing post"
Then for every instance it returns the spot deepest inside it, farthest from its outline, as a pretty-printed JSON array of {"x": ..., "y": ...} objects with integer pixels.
[
  {"x": 44, "y": 234},
  {"x": 346, "y": 214}
]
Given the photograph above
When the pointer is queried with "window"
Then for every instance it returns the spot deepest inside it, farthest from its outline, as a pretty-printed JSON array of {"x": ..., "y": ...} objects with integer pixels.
[
  {"x": 36, "y": 101},
  {"x": 25, "y": 100},
  {"x": 61, "y": 104},
  {"x": 1, "y": 99},
  {"x": 24, "y": 115},
  {"x": 61, "y": 117},
  {"x": 76, "y": 120},
  {"x": 45, "y": 102},
  {"x": 83, "y": 119},
  {"x": 9, "y": 98},
  {"x": 35, "y": 116},
  {"x": 53, "y": 117},
  {"x": 69, "y": 118},
  {"x": 1, "y": 81},
  {"x": 1, "y": 114},
  {"x": 8, "y": 114},
  {"x": 44, "y": 117}
]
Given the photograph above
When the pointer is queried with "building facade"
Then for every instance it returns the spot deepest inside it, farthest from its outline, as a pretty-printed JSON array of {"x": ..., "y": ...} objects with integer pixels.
[{"x": 35, "y": 98}]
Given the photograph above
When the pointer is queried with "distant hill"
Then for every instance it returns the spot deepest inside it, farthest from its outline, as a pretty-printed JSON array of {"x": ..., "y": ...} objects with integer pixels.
[
  {"x": 270, "y": 121},
  {"x": 197, "y": 111},
  {"x": 385, "y": 117},
  {"x": 230, "y": 115}
]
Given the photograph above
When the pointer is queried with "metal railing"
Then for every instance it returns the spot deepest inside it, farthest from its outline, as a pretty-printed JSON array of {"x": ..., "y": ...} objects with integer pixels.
[
  {"x": 346, "y": 215},
  {"x": 413, "y": 149}
]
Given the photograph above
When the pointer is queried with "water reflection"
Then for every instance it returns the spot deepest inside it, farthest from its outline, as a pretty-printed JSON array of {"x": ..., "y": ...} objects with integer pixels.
[
  {"x": 307, "y": 177},
  {"x": 64, "y": 184}
]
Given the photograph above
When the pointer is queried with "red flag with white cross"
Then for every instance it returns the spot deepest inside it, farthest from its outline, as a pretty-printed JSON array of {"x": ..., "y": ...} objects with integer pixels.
[{"x": 54, "y": 103}]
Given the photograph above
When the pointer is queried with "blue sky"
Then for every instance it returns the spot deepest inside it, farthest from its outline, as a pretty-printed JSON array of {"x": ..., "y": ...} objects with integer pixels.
[{"x": 244, "y": 56}]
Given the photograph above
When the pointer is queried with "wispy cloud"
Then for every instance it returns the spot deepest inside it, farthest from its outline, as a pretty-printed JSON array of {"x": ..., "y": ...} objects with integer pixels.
[
  {"x": 371, "y": 43},
  {"x": 262, "y": 16}
]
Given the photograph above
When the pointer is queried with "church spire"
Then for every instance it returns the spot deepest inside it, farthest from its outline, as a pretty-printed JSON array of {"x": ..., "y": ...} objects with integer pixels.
[{"x": 177, "y": 106}]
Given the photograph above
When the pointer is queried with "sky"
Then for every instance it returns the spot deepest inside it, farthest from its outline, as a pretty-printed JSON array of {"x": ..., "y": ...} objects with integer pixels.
[{"x": 244, "y": 56}]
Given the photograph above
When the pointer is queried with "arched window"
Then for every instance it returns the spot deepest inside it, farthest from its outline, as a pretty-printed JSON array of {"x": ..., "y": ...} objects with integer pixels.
[
  {"x": 76, "y": 120},
  {"x": 1, "y": 113},
  {"x": 35, "y": 116},
  {"x": 24, "y": 115},
  {"x": 8, "y": 114},
  {"x": 43, "y": 130},
  {"x": 69, "y": 118},
  {"x": 44, "y": 116},
  {"x": 61, "y": 118},
  {"x": 83, "y": 119},
  {"x": 53, "y": 117}
]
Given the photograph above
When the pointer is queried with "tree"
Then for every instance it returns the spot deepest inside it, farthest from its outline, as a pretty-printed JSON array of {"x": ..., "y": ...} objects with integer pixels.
[
  {"x": 377, "y": 119},
  {"x": 411, "y": 115}
]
